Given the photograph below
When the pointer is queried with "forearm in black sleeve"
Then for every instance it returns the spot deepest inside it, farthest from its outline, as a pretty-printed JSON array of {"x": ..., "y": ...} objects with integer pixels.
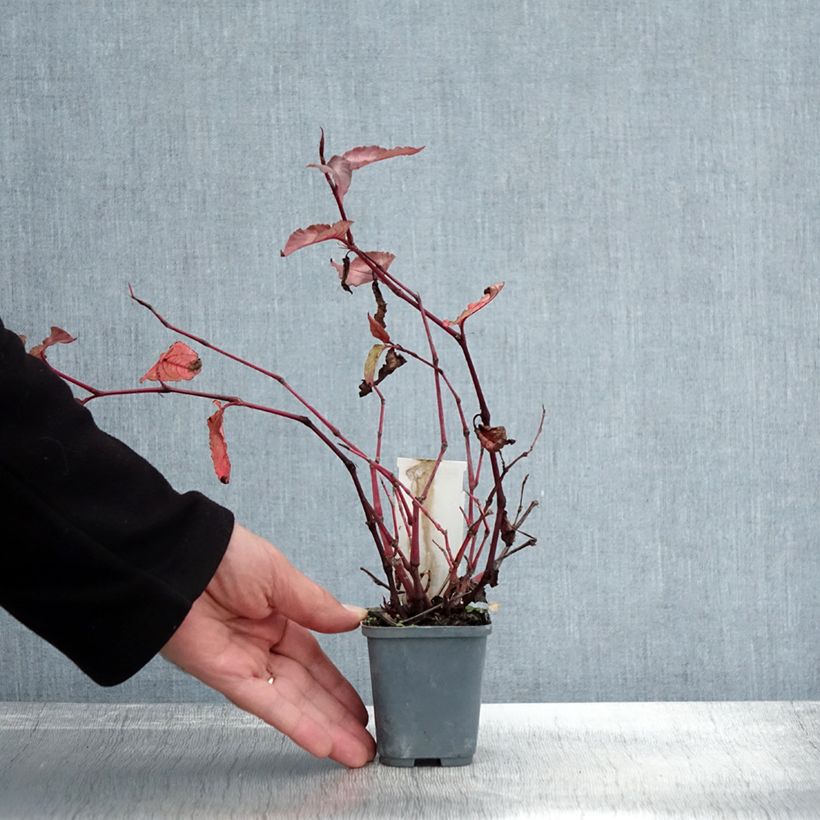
[{"x": 100, "y": 555}]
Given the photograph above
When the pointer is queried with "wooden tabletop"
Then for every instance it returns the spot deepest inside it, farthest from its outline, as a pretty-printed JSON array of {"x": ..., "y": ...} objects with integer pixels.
[{"x": 707, "y": 760}]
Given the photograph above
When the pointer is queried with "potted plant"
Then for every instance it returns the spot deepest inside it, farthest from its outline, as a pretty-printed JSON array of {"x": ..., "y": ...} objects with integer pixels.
[{"x": 442, "y": 528}]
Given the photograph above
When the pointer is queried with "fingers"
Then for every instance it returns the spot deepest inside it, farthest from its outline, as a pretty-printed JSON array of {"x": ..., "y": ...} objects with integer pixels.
[
  {"x": 309, "y": 700},
  {"x": 233, "y": 655},
  {"x": 297, "y": 643},
  {"x": 319, "y": 699},
  {"x": 255, "y": 573},
  {"x": 298, "y": 706},
  {"x": 254, "y": 695},
  {"x": 307, "y": 603},
  {"x": 294, "y": 641}
]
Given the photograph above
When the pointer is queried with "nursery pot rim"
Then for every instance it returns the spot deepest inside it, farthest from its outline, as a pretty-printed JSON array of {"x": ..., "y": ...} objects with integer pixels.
[{"x": 403, "y": 632}]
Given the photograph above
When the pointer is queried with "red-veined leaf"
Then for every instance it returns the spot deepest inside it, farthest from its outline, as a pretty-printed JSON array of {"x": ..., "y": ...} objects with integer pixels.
[
  {"x": 179, "y": 363},
  {"x": 57, "y": 336},
  {"x": 219, "y": 449},
  {"x": 302, "y": 237},
  {"x": 359, "y": 272},
  {"x": 367, "y": 154},
  {"x": 370, "y": 363},
  {"x": 489, "y": 294},
  {"x": 379, "y": 331},
  {"x": 340, "y": 172},
  {"x": 340, "y": 168}
]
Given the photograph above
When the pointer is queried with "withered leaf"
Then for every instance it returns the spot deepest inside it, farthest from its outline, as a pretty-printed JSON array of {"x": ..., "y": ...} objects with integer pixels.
[
  {"x": 392, "y": 361},
  {"x": 345, "y": 272},
  {"x": 492, "y": 438},
  {"x": 371, "y": 361},
  {"x": 381, "y": 305}
]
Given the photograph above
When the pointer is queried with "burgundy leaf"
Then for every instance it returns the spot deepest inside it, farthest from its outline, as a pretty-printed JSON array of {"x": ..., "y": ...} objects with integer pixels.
[
  {"x": 340, "y": 168},
  {"x": 359, "y": 272},
  {"x": 57, "y": 336},
  {"x": 219, "y": 449},
  {"x": 302, "y": 237},
  {"x": 339, "y": 171},
  {"x": 489, "y": 294},
  {"x": 367, "y": 154},
  {"x": 179, "y": 363},
  {"x": 379, "y": 331}
]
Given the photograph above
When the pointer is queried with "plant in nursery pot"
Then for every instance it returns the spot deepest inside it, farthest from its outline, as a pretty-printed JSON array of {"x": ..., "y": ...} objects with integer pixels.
[{"x": 442, "y": 529}]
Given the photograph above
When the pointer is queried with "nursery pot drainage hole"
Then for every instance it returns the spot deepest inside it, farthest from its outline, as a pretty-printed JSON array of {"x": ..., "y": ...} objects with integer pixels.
[{"x": 427, "y": 761}]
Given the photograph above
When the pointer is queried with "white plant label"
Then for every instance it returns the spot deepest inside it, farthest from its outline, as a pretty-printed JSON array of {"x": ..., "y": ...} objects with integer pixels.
[{"x": 445, "y": 501}]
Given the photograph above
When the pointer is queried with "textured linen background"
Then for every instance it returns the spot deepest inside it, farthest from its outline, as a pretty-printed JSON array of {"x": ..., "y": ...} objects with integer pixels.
[{"x": 644, "y": 176}]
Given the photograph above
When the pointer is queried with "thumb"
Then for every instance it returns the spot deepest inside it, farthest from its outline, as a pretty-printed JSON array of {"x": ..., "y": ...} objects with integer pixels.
[{"x": 302, "y": 600}]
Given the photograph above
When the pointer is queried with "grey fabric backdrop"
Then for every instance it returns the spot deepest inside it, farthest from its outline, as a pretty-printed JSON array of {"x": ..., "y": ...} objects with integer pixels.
[{"x": 644, "y": 176}]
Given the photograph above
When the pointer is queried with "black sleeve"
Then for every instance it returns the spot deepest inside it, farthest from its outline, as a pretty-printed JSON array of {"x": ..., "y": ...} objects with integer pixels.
[{"x": 100, "y": 555}]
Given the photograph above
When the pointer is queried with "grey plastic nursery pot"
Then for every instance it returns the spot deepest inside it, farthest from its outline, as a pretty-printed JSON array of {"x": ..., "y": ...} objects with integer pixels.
[{"x": 426, "y": 683}]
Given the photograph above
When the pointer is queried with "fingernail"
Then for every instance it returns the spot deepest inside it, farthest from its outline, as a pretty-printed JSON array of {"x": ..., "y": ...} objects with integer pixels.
[{"x": 359, "y": 611}]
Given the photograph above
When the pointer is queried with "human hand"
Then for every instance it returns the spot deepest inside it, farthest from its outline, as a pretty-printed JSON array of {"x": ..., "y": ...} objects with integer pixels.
[{"x": 247, "y": 637}]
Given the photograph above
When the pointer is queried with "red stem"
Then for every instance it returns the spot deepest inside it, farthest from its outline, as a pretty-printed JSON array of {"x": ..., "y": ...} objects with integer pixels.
[
  {"x": 439, "y": 404},
  {"x": 459, "y": 407},
  {"x": 399, "y": 288},
  {"x": 400, "y": 488},
  {"x": 372, "y": 519},
  {"x": 488, "y": 576}
]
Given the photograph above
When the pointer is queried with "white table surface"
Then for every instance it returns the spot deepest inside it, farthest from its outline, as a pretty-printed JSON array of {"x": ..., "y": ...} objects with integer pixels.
[{"x": 709, "y": 760}]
